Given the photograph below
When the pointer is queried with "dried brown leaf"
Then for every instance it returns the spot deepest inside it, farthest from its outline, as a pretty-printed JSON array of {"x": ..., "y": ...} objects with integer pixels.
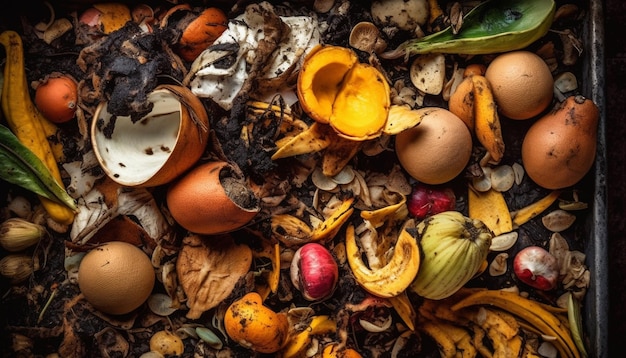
[{"x": 209, "y": 268}]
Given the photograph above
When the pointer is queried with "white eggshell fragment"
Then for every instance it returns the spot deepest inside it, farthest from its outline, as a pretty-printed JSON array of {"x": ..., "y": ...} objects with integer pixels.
[{"x": 428, "y": 73}]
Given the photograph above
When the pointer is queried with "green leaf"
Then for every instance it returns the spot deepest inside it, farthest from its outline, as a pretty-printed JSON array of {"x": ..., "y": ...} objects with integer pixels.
[
  {"x": 493, "y": 26},
  {"x": 20, "y": 166}
]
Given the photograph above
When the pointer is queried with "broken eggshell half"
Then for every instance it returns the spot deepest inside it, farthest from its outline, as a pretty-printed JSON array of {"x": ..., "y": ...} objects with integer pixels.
[
  {"x": 158, "y": 147},
  {"x": 212, "y": 198}
]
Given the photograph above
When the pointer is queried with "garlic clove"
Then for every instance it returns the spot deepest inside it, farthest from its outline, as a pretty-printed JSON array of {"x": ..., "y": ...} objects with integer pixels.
[
  {"x": 17, "y": 234},
  {"x": 17, "y": 267}
]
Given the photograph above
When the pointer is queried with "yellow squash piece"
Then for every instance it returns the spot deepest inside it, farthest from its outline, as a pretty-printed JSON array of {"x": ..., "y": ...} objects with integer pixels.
[
  {"x": 320, "y": 78},
  {"x": 490, "y": 208},
  {"x": 391, "y": 279},
  {"x": 26, "y": 121},
  {"x": 335, "y": 88},
  {"x": 361, "y": 107}
]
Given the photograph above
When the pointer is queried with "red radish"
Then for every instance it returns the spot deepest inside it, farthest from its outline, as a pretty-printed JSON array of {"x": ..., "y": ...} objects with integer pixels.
[
  {"x": 314, "y": 272},
  {"x": 426, "y": 200},
  {"x": 536, "y": 267}
]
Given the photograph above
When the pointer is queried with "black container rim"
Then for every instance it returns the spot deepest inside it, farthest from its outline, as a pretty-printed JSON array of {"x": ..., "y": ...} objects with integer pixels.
[{"x": 596, "y": 305}]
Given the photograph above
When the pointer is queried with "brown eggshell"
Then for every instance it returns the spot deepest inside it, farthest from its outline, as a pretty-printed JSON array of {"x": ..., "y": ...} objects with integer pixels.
[
  {"x": 212, "y": 199},
  {"x": 522, "y": 84},
  {"x": 436, "y": 150},
  {"x": 560, "y": 148},
  {"x": 160, "y": 146},
  {"x": 116, "y": 277}
]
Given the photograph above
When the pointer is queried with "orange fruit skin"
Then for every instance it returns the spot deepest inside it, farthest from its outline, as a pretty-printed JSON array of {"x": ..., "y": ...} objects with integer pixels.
[
  {"x": 200, "y": 204},
  {"x": 201, "y": 33},
  {"x": 57, "y": 99},
  {"x": 250, "y": 323},
  {"x": 116, "y": 277},
  {"x": 522, "y": 84}
]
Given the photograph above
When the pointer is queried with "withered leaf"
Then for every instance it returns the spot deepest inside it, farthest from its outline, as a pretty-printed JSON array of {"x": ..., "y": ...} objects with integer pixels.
[{"x": 209, "y": 268}]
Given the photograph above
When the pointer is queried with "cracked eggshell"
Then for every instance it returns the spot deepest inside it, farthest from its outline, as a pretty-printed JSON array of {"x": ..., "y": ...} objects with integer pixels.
[
  {"x": 212, "y": 198},
  {"x": 428, "y": 73},
  {"x": 157, "y": 148}
]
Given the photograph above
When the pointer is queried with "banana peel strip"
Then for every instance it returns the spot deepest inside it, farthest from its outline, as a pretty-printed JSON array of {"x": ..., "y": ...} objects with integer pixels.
[
  {"x": 314, "y": 139},
  {"x": 401, "y": 118},
  {"x": 270, "y": 251},
  {"x": 527, "y": 310},
  {"x": 299, "y": 343},
  {"x": 392, "y": 212},
  {"x": 486, "y": 120},
  {"x": 291, "y": 230},
  {"x": 330, "y": 227},
  {"x": 525, "y": 214},
  {"x": 338, "y": 154},
  {"x": 405, "y": 309},
  {"x": 491, "y": 208}
]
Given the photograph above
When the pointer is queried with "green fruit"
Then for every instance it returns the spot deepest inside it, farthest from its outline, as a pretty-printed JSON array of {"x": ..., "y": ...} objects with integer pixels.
[{"x": 453, "y": 249}]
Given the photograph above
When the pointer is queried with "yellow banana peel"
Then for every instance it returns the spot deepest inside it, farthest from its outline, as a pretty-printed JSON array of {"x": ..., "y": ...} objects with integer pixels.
[
  {"x": 486, "y": 120},
  {"x": 527, "y": 213},
  {"x": 490, "y": 208},
  {"x": 529, "y": 311}
]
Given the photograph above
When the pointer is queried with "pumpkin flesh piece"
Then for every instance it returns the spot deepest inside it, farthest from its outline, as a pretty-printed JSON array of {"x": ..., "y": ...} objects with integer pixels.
[
  {"x": 320, "y": 80},
  {"x": 362, "y": 104}
]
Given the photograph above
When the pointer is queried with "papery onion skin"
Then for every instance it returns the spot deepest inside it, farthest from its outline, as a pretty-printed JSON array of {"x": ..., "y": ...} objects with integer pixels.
[
  {"x": 314, "y": 272},
  {"x": 536, "y": 267}
]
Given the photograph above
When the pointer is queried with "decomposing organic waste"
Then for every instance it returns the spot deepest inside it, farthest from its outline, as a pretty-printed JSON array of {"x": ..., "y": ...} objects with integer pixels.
[{"x": 296, "y": 178}]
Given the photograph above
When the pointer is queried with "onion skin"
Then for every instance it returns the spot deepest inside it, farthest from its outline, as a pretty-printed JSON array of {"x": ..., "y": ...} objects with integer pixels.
[
  {"x": 537, "y": 268},
  {"x": 426, "y": 200},
  {"x": 314, "y": 272}
]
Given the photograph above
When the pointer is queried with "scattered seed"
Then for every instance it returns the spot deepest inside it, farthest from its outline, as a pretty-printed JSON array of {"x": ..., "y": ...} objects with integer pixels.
[
  {"x": 558, "y": 220},
  {"x": 502, "y": 178},
  {"x": 504, "y": 242},
  {"x": 499, "y": 265}
]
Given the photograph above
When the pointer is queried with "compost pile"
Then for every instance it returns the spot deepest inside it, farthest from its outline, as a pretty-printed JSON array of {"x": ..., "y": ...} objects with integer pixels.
[{"x": 320, "y": 234}]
